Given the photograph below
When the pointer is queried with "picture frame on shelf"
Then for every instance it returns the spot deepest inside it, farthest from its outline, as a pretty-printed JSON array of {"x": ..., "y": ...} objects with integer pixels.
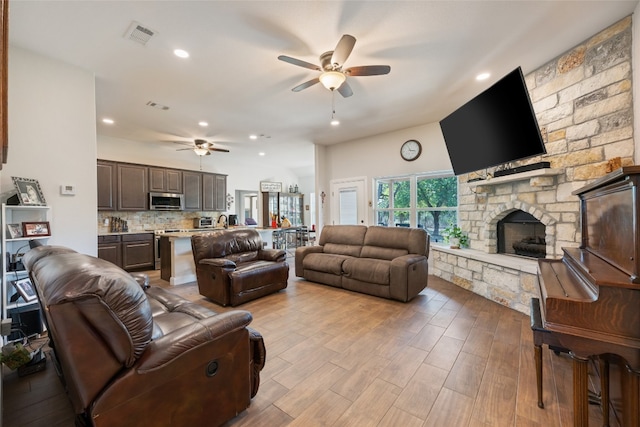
[
  {"x": 25, "y": 289},
  {"x": 29, "y": 191},
  {"x": 36, "y": 229},
  {"x": 14, "y": 231}
]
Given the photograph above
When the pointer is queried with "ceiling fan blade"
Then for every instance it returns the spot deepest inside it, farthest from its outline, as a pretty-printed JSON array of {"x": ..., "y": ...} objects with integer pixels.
[
  {"x": 343, "y": 50},
  {"x": 183, "y": 149},
  {"x": 299, "y": 62},
  {"x": 368, "y": 70},
  {"x": 345, "y": 90},
  {"x": 306, "y": 84},
  {"x": 223, "y": 150}
]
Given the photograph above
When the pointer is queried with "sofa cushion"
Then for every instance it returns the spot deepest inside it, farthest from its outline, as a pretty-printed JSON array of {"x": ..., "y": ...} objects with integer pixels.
[
  {"x": 378, "y": 252},
  {"x": 412, "y": 240},
  {"x": 367, "y": 270},
  {"x": 329, "y": 263},
  {"x": 347, "y": 250}
]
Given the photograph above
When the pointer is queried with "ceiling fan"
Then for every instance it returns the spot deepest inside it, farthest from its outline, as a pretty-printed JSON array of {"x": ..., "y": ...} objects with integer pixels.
[
  {"x": 333, "y": 76},
  {"x": 202, "y": 147}
]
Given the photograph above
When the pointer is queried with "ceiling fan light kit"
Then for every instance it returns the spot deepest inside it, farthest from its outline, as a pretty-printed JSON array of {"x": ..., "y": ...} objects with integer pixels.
[
  {"x": 201, "y": 151},
  {"x": 332, "y": 79}
]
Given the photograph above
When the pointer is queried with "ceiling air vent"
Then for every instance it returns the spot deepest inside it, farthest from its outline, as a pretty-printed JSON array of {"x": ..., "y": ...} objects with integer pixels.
[
  {"x": 156, "y": 105},
  {"x": 139, "y": 33}
]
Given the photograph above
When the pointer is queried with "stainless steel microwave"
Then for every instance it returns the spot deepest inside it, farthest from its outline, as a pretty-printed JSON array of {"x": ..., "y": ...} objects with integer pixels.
[{"x": 166, "y": 202}]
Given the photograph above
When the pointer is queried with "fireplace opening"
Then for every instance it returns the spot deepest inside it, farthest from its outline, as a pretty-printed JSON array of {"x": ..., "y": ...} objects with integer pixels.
[{"x": 520, "y": 233}]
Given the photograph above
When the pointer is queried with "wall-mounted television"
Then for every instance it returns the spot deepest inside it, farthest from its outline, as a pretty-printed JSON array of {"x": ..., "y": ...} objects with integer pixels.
[{"x": 498, "y": 126}]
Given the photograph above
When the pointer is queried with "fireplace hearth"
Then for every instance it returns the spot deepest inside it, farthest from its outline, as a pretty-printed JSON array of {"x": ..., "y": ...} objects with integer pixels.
[{"x": 520, "y": 233}]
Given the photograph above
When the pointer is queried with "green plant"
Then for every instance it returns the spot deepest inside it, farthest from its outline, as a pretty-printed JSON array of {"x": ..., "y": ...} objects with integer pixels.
[{"x": 453, "y": 231}]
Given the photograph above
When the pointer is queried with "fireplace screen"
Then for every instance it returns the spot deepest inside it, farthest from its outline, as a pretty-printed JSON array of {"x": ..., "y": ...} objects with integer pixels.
[{"x": 520, "y": 233}]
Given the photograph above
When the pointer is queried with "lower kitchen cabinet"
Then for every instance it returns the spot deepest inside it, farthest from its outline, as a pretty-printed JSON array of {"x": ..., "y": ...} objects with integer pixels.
[{"x": 129, "y": 251}]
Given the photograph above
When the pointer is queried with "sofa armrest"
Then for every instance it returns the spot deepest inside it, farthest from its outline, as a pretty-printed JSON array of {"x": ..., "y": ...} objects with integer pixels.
[
  {"x": 408, "y": 276},
  {"x": 218, "y": 262},
  {"x": 276, "y": 255},
  {"x": 302, "y": 252},
  {"x": 175, "y": 343}
]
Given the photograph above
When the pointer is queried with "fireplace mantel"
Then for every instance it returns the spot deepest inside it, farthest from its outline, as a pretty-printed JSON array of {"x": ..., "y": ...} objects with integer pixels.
[{"x": 516, "y": 177}]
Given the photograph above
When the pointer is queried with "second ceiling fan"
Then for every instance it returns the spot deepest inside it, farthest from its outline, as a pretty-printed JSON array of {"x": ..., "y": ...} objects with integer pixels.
[
  {"x": 202, "y": 147},
  {"x": 333, "y": 76}
]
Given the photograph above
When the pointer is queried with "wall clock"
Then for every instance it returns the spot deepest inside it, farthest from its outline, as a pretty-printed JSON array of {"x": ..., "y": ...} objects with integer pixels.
[{"x": 410, "y": 150}]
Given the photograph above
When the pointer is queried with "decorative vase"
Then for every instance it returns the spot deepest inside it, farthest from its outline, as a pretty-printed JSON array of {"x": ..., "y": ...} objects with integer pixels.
[{"x": 454, "y": 243}]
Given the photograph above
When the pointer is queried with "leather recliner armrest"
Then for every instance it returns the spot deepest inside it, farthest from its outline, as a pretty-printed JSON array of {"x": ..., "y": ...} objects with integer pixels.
[
  {"x": 173, "y": 344},
  {"x": 219, "y": 262},
  {"x": 275, "y": 255}
]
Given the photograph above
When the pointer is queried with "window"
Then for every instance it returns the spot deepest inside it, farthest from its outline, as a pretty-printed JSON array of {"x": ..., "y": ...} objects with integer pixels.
[{"x": 425, "y": 201}]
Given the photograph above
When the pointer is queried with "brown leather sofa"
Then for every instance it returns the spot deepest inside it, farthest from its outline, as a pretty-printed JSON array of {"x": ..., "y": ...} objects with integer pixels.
[
  {"x": 130, "y": 356},
  {"x": 388, "y": 262},
  {"x": 233, "y": 267}
]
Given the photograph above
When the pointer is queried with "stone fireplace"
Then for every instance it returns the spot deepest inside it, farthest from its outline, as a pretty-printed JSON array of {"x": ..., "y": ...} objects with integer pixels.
[
  {"x": 520, "y": 233},
  {"x": 583, "y": 103}
]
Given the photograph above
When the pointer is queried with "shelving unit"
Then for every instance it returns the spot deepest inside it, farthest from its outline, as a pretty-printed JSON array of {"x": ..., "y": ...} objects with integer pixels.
[
  {"x": 11, "y": 247},
  {"x": 289, "y": 205}
]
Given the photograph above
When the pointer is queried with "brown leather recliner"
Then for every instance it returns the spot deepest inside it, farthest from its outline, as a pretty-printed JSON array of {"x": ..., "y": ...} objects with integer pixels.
[
  {"x": 232, "y": 267},
  {"x": 132, "y": 357}
]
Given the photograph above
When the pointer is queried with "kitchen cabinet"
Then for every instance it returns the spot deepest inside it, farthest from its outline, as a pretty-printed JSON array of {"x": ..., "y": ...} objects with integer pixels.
[
  {"x": 107, "y": 186},
  {"x": 163, "y": 180},
  {"x": 289, "y": 205},
  {"x": 133, "y": 251},
  {"x": 192, "y": 186},
  {"x": 133, "y": 188},
  {"x": 110, "y": 249},
  {"x": 214, "y": 192},
  {"x": 13, "y": 248}
]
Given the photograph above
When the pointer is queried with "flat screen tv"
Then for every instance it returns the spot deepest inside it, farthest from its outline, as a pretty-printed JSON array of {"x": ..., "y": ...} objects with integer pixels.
[{"x": 498, "y": 126}]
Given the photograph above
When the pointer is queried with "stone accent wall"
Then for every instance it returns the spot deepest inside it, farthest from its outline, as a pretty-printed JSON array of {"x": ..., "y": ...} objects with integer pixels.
[{"x": 583, "y": 103}]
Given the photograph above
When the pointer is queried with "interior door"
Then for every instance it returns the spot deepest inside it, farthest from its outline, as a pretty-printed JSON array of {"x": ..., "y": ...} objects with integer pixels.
[{"x": 348, "y": 204}]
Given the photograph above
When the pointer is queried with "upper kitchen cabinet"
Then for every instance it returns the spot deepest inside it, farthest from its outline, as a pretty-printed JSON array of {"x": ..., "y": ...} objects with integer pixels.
[
  {"x": 162, "y": 180},
  {"x": 192, "y": 186},
  {"x": 214, "y": 192},
  {"x": 133, "y": 189},
  {"x": 107, "y": 186}
]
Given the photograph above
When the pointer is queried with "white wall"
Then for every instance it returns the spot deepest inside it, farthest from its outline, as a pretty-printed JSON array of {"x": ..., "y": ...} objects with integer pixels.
[
  {"x": 378, "y": 156},
  {"x": 52, "y": 138}
]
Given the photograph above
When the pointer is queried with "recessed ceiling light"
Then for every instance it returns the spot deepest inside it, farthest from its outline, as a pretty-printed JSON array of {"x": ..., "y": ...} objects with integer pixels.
[
  {"x": 203, "y": 124},
  {"x": 335, "y": 122},
  {"x": 181, "y": 53},
  {"x": 108, "y": 121},
  {"x": 261, "y": 153},
  {"x": 253, "y": 136},
  {"x": 482, "y": 76}
]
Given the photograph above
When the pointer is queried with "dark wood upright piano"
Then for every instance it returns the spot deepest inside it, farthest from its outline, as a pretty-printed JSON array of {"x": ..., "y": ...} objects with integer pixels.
[{"x": 590, "y": 299}]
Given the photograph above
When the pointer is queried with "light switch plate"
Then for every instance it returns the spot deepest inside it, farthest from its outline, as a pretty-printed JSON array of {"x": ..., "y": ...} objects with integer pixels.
[{"x": 68, "y": 190}]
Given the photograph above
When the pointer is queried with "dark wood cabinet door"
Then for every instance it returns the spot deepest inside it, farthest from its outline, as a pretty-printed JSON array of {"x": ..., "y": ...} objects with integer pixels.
[
  {"x": 132, "y": 187},
  {"x": 110, "y": 252},
  {"x": 162, "y": 180},
  {"x": 192, "y": 187},
  {"x": 174, "y": 181},
  {"x": 137, "y": 251},
  {"x": 107, "y": 186},
  {"x": 221, "y": 193},
  {"x": 208, "y": 192}
]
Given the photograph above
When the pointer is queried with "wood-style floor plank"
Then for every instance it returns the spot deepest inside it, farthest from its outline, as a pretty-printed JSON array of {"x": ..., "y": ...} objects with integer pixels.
[{"x": 339, "y": 358}]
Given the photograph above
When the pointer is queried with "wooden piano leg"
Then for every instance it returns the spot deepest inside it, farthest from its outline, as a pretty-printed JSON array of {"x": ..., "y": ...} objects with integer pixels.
[
  {"x": 580, "y": 391},
  {"x": 632, "y": 414},
  {"x": 604, "y": 390},
  {"x": 538, "y": 358}
]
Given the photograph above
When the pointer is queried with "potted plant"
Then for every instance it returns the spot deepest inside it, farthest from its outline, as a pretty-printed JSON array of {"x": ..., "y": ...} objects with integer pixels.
[{"x": 456, "y": 238}]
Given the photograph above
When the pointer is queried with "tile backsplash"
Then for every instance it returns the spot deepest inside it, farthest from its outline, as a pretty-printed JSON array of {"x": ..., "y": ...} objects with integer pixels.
[{"x": 151, "y": 220}]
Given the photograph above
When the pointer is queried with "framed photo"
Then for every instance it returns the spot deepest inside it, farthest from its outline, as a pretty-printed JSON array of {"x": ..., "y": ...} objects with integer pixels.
[
  {"x": 29, "y": 192},
  {"x": 14, "y": 230},
  {"x": 25, "y": 289},
  {"x": 36, "y": 229}
]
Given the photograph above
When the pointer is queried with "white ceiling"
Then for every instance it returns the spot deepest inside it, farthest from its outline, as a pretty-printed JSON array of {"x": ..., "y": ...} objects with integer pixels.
[{"x": 234, "y": 81}]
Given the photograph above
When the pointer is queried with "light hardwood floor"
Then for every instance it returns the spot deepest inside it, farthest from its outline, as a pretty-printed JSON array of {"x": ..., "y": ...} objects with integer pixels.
[{"x": 339, "y": 358}]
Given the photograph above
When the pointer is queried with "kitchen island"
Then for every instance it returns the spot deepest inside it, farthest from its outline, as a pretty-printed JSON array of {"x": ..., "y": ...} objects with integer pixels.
[{"x": 176, "y": 259}]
